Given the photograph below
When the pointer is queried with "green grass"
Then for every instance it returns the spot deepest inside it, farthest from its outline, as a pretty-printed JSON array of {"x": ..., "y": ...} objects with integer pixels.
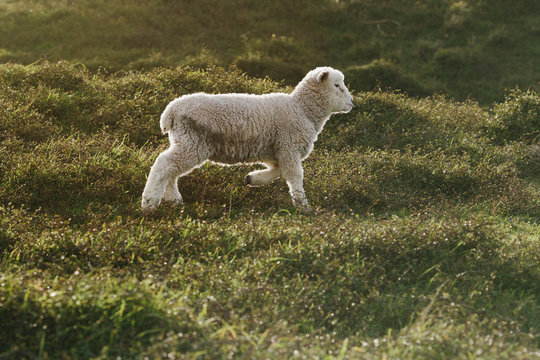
[
  {"x": 425, "y": 242},
  {"x": 467, "y": 49}
]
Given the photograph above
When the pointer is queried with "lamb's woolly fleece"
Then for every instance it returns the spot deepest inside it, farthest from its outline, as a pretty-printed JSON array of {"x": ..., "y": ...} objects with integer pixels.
[{"x": 277, "y": 130}]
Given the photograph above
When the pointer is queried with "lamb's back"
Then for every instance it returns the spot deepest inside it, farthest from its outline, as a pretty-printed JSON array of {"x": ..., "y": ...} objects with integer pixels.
[{"x": 238, "y": 116}]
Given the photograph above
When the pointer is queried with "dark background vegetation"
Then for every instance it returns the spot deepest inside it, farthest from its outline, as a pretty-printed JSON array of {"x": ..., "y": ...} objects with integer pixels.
[
  {"x": 468, "y": 49},
  {"x": 425, "y": 242}
]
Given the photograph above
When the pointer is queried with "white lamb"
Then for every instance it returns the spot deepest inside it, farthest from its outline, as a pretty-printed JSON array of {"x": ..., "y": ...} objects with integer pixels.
[{"x": 277, "y": 130}]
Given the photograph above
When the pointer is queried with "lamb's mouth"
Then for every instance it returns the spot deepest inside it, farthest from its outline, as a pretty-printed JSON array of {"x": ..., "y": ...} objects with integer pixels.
[{"x": 349, "y": 107}]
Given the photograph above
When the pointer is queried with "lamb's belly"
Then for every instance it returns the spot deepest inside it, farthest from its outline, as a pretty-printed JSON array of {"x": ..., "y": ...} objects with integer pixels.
[{"x": 240, "y": 153}]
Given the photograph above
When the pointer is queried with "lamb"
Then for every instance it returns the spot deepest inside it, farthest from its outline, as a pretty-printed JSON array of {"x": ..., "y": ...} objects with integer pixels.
[{"x": 277, "y": 130}]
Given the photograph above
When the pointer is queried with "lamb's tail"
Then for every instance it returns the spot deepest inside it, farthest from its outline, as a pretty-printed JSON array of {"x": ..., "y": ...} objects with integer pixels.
[{"x": 166, "y": 121}]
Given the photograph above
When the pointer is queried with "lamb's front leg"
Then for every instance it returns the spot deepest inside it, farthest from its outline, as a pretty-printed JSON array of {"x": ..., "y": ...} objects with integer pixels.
[{"x": 292, "y": 172}]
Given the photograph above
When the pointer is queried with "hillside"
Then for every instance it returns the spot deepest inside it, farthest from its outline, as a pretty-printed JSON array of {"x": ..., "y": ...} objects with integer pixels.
[
  {"x": 467, "y": 49},
  {"x": 424, "y": 244}
]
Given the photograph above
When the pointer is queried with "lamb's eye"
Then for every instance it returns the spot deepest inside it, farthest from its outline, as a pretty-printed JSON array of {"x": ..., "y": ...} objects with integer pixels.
[{"x": 337, "y": 85}]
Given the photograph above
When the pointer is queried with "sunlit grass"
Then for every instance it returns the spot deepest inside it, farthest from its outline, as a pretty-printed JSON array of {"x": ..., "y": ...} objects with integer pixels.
[{"x": 424, "y": 243}]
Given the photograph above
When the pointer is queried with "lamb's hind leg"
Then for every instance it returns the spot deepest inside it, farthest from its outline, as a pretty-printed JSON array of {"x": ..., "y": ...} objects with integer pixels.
[
  {"x": 263, "y": 177},
  {"x": 172, "y": 194},
  {"x": 178, "y": 160}
]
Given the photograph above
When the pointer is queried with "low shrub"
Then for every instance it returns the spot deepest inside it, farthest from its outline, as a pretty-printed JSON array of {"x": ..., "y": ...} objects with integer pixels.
[
  {"x": 517, "y": 118},
  {"x": 383, "y": 74}
]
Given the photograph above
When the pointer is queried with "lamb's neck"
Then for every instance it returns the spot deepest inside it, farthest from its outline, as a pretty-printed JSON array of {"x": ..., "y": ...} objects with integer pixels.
[{"x": 314, "y": 105}]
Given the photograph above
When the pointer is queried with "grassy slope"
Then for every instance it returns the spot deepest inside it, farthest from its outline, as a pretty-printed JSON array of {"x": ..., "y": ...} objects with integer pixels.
[
  {"x": 426, "y": 240},
  {"x": 425, "y": 244},
  {"x": 469, "y": 48}
]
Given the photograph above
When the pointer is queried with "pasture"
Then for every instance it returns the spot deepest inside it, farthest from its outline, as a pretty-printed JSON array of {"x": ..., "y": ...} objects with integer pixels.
[{"x": 424, "y": 243}]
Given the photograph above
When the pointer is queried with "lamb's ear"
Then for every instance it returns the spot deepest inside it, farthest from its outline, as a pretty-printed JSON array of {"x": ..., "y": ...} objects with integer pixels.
[{"x": 322, "y": 76}]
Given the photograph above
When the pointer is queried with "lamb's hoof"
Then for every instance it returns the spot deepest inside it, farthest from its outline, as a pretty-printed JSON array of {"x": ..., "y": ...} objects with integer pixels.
[
  {"x": 248, "y": 180},
  {"x": 307, "y": 210},
  {"x": 149, "y": 206},
  {"x": 304, "y": 209},
  {"x": 148, "y": 211},
  {"x": 174, "y": 202}
]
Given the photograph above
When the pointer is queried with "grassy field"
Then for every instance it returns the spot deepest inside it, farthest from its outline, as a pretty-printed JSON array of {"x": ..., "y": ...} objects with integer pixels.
[
  {"x": 425, "y": 242},
  {"x": 424, "y": 245}
]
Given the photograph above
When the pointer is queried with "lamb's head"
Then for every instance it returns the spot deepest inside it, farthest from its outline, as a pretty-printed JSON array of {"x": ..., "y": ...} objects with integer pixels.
[{"x": 328, "y": 83}]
